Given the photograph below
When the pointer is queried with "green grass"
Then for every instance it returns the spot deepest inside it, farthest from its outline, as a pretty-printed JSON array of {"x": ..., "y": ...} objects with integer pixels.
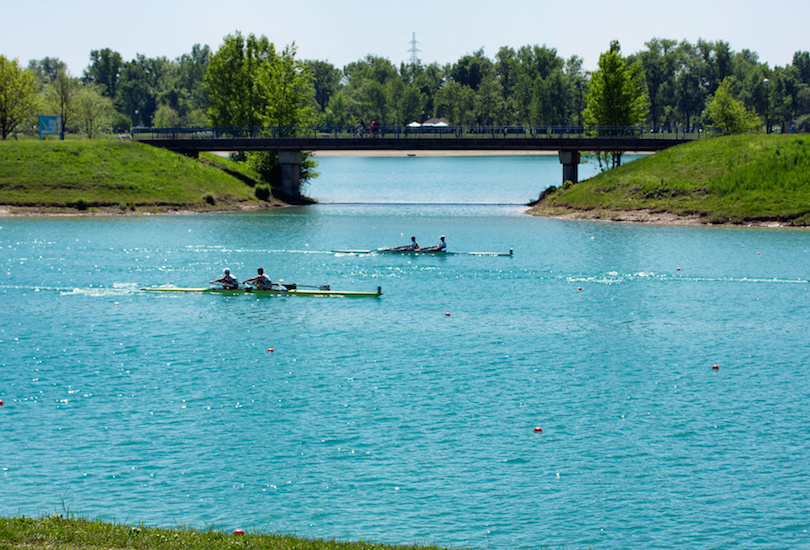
[
  {"x": 55, "y": 533},
  {"x": 736, "y": 179},
  {"x": 103, "y": 174}
]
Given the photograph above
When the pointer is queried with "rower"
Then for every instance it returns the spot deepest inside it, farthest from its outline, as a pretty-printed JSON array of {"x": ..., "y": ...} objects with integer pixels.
[
  {"x": 260, "y": 281},
  {"x": 413, "y": 246},
  {"x": 441, "y": 247},
  {"x": 227, "y": 281}
]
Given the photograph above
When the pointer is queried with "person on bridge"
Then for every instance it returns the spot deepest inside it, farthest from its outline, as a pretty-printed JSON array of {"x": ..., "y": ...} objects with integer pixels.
[
  {"x": 227, "y": 281},
  {"x": 441, "y": 247},
  {"x": 261, "y": 281}
]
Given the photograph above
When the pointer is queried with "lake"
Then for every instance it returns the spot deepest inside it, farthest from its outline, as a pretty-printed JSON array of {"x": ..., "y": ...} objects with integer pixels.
[{"x": 561, "y": 397}]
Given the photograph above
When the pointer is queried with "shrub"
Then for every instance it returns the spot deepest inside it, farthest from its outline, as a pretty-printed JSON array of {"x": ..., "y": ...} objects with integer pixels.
[
  {"x": 262, "y": 192},
  {"x": 81, "y": 204},
  {"x": 209, "y": 198}
]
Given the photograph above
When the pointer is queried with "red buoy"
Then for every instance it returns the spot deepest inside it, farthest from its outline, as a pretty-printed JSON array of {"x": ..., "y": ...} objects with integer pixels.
[
  {"x": 447, "y": 314},
  {"x": 715, "y": 367},
  {"x": 269, "y": 350},
  {"x": 238, "y": 531},
  {"x": 538, "y": 429},
  {"x": 1, "y": 402}
]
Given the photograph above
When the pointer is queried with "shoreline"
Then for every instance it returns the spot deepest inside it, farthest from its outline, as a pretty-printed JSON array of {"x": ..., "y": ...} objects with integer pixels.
[{"x": 637, "y": 217}]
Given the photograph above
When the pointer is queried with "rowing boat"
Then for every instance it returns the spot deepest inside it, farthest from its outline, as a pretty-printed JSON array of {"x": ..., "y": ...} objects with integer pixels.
[
  {"x": 274, "y": 291},
  {"x": 425, "y": 252}
]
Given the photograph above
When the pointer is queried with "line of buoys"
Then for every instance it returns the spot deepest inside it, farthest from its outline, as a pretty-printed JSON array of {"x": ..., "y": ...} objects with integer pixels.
[{"x": 238, "y": 531}]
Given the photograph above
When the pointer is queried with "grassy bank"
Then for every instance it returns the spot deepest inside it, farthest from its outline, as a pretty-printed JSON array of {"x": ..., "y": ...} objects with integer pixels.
[
  {"x": 56, "y": 533},
  {"x": 123, "y": 176},
  {"x": 738, "y": 179}
]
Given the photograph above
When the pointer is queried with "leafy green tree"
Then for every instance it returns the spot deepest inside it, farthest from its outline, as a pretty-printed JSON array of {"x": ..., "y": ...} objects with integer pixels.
[
  {"x": 18, "y": 96},
  {"x": 285, "y": 86},
  {"x": 337, "y": 112},
  {"x": 689, "y": 95},
  {"x": 59, "y": 97},
  {"x": 167, "y": 117},
  {"x": 616, "y": 94},
  {"x": 730, "y": 114},
  {"x": 104, "y": 70},
  {"x": 94, "y": 112},
  {"x": 138, "y": 88},
  {"x": 46, "y": 69},
  {"x": 325, "y": 81},
  {"x": 659, "y": 61},
  {"x": 231, "y": 80}
]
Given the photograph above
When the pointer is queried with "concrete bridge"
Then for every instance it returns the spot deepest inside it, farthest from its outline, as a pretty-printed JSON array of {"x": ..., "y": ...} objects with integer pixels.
[{"x": 289, "y": 143}]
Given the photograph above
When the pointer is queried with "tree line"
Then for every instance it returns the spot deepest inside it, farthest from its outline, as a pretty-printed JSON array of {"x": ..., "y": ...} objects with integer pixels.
[{"x": 531, "y": 86}]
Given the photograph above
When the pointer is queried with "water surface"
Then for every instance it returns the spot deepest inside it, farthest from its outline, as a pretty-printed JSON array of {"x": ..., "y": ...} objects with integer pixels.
[{"x": 411, "y": 417}]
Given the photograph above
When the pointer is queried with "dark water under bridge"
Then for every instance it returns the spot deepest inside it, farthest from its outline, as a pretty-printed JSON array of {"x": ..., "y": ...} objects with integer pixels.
[{"x": 568, "y": 141}]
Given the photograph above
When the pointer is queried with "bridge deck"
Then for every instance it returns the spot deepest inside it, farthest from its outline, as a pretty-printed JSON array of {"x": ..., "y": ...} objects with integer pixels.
[{"x": 402, "y": 139}]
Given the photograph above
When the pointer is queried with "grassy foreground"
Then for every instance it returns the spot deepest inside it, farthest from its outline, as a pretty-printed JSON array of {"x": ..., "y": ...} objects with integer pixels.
[
  {"x": 124, "y": 176},
  {"x": 749, "y": 179},
  {"x": 55, "y": 533}
]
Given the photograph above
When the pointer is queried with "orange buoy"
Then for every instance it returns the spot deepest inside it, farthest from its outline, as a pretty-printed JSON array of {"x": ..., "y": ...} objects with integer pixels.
[
  {"x": 538, "y": 429},
  {"x": 238, "y": 531}
]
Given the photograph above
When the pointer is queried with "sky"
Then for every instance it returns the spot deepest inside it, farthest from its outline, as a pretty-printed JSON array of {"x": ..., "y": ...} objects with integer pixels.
[{"x": 344, "y": 31}]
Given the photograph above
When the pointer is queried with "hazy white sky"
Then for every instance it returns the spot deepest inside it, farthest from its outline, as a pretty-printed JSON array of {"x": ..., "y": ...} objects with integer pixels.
[{"x": 342, "y": 31}]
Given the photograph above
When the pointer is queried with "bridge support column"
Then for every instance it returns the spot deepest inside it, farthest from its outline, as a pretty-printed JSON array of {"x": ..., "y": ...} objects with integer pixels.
[
  {"x": 290, "y": 162},
  {"x": 570, "y": 162}
]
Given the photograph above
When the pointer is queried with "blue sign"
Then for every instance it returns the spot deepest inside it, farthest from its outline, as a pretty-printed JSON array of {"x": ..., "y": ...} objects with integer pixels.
[{"x": 50, "y": 125}]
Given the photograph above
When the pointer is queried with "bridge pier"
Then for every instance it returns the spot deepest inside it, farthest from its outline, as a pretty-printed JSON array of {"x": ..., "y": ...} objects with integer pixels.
[
  {"x": 570, "y": 162},
  {"x": 290, "y": 162}
]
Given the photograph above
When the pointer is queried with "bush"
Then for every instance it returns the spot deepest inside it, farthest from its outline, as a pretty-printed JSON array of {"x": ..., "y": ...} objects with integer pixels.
[
  {"x": 81, "y": 204},
  {"x": 262, "y": 192},
  {"x": 209, "y": 198},
  {"x": 567, "y": 184}
]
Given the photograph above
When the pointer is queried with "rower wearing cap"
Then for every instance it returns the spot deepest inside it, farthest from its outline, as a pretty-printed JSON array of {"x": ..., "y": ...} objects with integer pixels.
[
  {"x": 227, "y": 280},
  {"x": 261, "y": 281},
  {"x": 441, "y": 247}
]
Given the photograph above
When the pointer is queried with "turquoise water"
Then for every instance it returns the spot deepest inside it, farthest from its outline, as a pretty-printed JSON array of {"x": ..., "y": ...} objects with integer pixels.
[{"x": 411, "y": 417}]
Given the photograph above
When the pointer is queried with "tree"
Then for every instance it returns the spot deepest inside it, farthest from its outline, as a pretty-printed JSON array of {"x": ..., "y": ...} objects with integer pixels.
[
  {"x": 659, "y": 70},
  {"x": 18, "y": 96},
  {"x": 730, "y": 114},
  {"x": 94, "y": 112},
  {"x": 616, "y": 94},
  {"x": 325, "y": 81},
  {"x": 46, "y": 69},
  {"x": 60, "y": 96},
  {"x": 231, "y": 80},
  {"x": 104, "y": 70}
]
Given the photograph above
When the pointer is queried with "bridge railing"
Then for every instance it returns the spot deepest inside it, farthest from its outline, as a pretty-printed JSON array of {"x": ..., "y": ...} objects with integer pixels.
[{"x": 437, "y": 132}]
